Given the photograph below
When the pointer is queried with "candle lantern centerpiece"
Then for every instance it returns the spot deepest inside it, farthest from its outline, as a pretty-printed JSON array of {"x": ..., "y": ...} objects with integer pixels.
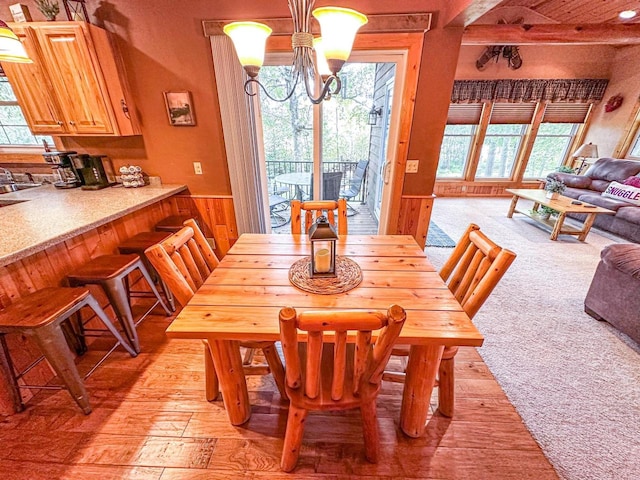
[{"x": 323, "y": 237}]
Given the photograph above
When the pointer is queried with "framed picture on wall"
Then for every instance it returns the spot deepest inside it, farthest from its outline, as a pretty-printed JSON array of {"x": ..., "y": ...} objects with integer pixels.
[{"x": 180, "y": 108}]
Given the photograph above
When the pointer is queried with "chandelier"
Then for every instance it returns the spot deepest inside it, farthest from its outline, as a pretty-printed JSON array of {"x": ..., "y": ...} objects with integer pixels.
[{"x": 338, "y": 27}]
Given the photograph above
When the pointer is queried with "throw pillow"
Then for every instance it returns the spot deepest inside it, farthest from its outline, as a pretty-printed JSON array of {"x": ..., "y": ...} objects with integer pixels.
[
  {"x": 625, "y": 193},
  {"x": 633, "y": 181}
]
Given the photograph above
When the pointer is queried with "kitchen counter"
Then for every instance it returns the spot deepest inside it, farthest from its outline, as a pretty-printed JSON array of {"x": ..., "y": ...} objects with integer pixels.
[{"x": 47, "y": 216}]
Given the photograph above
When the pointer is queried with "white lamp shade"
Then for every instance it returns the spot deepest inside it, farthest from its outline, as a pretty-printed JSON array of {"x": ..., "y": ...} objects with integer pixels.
[
  {"x": 11, "y": 48},
  {"x": 338, "y": 26},
  {"x": 587, "y": 150},
  {"x": 321, "y": 60},
  {"x": 249, "y": 40}
]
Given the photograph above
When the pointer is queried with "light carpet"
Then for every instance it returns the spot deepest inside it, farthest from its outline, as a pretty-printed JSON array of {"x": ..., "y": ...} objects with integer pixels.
[{"x": 575, "y": 381}]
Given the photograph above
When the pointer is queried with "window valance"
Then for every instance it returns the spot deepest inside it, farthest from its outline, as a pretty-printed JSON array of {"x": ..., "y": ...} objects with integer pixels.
[{"x": 573, "y": 90}]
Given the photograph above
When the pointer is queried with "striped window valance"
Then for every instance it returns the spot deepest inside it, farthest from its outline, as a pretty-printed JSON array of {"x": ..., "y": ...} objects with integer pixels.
[{"x": 573, "y": 90}]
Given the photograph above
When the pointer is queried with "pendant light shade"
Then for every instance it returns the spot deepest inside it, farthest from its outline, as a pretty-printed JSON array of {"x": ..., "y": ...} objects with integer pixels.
[
  {"x": 11, "y": 48},
  {"x": 249, "y": 40},
  {"x": 338, "y": 27}
]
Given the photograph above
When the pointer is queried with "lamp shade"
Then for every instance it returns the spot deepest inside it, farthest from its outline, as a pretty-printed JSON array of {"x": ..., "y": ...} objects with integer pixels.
[
  {"x": 587, "y": 150},
  {"x": 11, "y": 48},
  {"x": 338, "y": 26},
  {"x": 249, "y": 40},
  {"x": 321, "y": 59}
]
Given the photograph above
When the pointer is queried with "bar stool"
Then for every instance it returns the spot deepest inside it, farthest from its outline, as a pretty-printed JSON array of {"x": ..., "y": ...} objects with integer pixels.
[
  {"x": 172, "y": 223},
  {"x": 110, "y": 272},
  {"x": 39, "y": 316},
  {"x": 138, "y": 244}
]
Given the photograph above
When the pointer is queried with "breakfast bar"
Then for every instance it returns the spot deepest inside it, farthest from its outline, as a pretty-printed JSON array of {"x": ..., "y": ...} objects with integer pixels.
[{"x": 48, "y": 232}]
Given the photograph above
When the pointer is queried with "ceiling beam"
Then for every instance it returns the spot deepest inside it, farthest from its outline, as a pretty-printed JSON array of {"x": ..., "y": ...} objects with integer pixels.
[
  {"x": 552, "y": 34},
  {"x": 461, "y": 13},
  {"x": 405, "y": 22}
]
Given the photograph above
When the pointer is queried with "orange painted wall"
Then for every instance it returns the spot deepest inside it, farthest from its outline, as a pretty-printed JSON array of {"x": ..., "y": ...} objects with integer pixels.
[{"x": 607, "y": 127}]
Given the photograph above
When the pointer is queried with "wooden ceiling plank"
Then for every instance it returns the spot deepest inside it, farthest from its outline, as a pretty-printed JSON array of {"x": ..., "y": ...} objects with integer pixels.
[{"x": 551, "y": 34}]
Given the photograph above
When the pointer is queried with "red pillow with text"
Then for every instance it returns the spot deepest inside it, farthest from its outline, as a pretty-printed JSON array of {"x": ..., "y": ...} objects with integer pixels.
[{"x": 633, "y": 181}]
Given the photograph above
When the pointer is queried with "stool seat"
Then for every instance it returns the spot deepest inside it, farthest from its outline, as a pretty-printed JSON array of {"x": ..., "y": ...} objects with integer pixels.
[
  {"x": 40, "y": 316},
  {"x": 140, "y": 242},
  {"x": 172, "y": 223},
  {"x": 104, "y": 267},
  {"x": 40, "y": 308}
]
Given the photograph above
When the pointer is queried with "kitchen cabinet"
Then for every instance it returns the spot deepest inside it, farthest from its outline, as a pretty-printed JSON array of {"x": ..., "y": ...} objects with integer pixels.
[{"x": 76, "y": 85}]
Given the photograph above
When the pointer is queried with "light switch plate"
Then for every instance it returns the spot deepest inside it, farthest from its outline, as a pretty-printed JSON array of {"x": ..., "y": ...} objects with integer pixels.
[
  {"x": 197, "y": 167},
  {"x": 412, "y": 166}
]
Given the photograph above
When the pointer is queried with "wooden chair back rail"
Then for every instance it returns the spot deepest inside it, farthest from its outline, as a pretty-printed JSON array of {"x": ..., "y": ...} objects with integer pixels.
[
  {"x": 368, "y": 361},
  {"x": 313, "y": 209}
]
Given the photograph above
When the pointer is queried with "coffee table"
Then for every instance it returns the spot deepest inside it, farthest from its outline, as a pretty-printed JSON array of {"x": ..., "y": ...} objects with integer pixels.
[{"x": 563, "y": 205}]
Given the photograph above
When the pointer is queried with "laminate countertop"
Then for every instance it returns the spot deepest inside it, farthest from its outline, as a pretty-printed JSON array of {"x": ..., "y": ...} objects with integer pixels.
[{"x": 44, "y": 216}]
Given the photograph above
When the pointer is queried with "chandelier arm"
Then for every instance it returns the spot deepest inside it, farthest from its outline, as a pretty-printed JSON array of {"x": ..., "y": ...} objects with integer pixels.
[
  {"x": 326, "y": 91},
  {"x": 248, "y": 90}
]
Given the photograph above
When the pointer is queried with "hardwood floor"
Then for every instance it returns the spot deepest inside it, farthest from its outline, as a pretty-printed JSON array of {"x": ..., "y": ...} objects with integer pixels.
[{"x": 151, "y": 421}]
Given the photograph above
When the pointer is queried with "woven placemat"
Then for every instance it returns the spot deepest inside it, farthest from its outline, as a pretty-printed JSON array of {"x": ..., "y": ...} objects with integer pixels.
[{"x": 348, "y": 276}]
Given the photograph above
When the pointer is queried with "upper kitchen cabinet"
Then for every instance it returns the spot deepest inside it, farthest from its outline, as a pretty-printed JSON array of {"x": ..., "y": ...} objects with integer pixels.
[{"x": 76, "y": 85}]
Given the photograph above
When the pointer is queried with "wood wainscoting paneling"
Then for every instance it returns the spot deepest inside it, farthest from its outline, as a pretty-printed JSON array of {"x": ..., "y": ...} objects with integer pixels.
[
  {"x": 216, "y": 216},
  {"x": 479, "y": 189},
  {"x": 415, "y": 214}
]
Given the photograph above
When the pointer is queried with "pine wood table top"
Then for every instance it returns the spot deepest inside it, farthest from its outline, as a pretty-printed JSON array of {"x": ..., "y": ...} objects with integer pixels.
[
  {"x": 242, "y": 297},
  {"x": 561, "y": 203}
]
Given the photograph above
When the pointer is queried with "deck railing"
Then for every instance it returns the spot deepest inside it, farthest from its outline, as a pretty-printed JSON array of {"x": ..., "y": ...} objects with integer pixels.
[{"x": 278, "y": 167}]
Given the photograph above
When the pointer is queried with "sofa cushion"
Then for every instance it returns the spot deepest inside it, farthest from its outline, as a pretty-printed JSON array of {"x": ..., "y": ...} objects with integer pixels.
[
  {"x": 629, "y": 214},
  {"x": 571, "y": 180},
  {"x": 576, "y": 192},
  {"x": 626, "y": 193},
  {"x": 613, "y": 169},
  {"x": 623, "y": 257},
  {"x": 599, "y": 185},
  {"x": 604, "y": 202}
]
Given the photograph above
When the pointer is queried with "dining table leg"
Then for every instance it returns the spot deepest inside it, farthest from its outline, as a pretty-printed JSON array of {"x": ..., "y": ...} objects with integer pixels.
[
  {"x": 422, "y": 369},
  {"x": 233, "y": 385}
]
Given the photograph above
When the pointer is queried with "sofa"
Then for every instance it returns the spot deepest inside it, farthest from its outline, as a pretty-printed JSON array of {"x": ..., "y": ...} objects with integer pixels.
[
  {"x": 614, "y": 294},
  {"x": 590, "y": 187}
]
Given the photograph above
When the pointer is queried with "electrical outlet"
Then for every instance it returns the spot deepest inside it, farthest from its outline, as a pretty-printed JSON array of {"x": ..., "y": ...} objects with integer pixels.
[
  {"x": 197, "y": 167},
  {"x": 412, "y": 166}
]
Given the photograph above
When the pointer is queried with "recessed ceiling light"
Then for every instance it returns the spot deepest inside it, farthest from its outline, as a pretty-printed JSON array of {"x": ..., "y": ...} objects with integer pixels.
[{"x": 627, "y": 14}]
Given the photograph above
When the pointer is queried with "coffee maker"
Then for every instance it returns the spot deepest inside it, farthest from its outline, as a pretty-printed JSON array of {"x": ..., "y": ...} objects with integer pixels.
[
  {"x": 95, "y": 171},
  {"x": 64, "y": 174}
]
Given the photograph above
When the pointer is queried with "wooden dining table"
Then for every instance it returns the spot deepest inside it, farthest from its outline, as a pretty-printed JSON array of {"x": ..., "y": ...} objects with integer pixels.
[{"x": 241, "y": 299}]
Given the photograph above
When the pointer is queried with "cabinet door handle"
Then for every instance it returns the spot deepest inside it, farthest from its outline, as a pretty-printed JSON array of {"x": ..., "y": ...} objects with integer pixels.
[
  {"x": 59, "y": 122},
  {"x": 72, "y": 122}
]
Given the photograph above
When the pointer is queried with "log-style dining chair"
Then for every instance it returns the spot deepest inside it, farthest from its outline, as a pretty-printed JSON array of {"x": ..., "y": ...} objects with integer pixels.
[
  {"x": 313, "y": 209},
  {"x": 471, "y": 272},
  {"x": 330, "y": 374},
  {"x": 184, "y": 261}
]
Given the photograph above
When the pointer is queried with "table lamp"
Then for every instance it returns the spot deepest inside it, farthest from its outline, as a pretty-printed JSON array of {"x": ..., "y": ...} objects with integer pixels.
[{"x": 586, "y": 150}]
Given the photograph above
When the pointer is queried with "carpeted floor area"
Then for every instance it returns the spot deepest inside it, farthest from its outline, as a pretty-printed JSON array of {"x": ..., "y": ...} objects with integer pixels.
[{"x": 575, "y": 381}]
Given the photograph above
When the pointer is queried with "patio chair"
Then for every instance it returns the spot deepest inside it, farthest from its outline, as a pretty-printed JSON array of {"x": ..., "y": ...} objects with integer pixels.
[
  {"x": 184, "y": 261},
  {"x": 330, "y": 185},
  {"x": 472, "y": 272},
  {"x": 313, "y": 210},
  {"x": 355, "y": 185},
  {"x": 277, "y": 206},
  {"x": 335, "y": 375}
]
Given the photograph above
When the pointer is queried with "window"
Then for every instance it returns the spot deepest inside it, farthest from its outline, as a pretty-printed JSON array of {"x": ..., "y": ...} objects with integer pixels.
[
  {"x": 14, "y": 131},
  {"x": 455, "y": 150},
  {"x": 499, "y": 151},
  {"x": 550, "y": 148},
  {"x": 635, "y": 150},
  {"x": 456, "y": 143}
]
